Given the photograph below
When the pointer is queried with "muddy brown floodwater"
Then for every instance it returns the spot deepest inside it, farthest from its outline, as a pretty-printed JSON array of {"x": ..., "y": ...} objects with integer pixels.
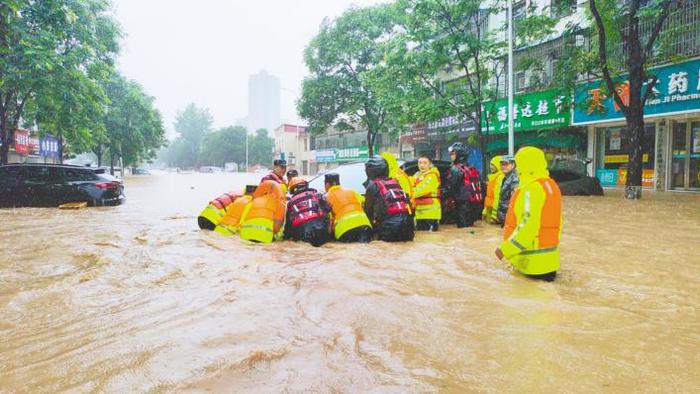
[{"x": 137, "y": 299}]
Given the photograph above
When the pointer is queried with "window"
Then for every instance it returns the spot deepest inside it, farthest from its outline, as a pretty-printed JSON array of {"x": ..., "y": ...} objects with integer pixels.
[
  {"x": 306, "y": 144},
  {"x": 77, "y": 175},
  {"x": 521, "y": 82},
  {"x": 9, "y": 175},
  {"x": 39, "y": 174}
]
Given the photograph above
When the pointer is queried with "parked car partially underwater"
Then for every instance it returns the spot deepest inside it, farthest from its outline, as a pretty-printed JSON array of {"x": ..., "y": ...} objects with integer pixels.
[
  {"x": 572, "y": 178},
  {"x": 48, "y": 185}
]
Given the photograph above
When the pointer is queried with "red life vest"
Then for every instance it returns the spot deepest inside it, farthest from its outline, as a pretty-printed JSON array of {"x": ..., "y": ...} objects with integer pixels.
[
  {"x": 273, "y": 177},
  {"x": 472, "y": 182},
  {"x": 304, "y": 207},
  {"x": 394, "y": 197},
  {"x": 224, "y": 200}
]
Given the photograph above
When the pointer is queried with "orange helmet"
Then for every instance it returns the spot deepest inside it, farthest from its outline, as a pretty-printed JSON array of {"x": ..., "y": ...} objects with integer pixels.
[{"x": 298, "y": 185}]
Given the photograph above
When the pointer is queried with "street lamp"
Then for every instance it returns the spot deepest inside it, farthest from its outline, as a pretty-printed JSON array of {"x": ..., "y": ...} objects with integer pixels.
[{"x": 511, "y": 136}]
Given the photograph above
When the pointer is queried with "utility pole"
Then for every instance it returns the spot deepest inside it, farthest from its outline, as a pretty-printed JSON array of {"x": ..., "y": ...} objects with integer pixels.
[{"x": 511, "y": 135}]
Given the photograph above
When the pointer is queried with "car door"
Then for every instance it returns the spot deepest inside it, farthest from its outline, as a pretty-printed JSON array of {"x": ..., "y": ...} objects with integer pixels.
[
  {"x": 41, "y": 186},
  {"x": 78, "y": 183},
  {"x": 9, "y": 186}
]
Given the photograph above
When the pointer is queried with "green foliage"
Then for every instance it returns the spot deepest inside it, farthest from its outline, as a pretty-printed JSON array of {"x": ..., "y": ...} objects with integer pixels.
[
  {"x": 54, "y": 53},
  {"x": 192, "y": 124},
  {"x": 133, "y": 127},
  {"x": 223, "y": 146},
  {"x": 260, "y": 147},
  {"x": 339, "y": 91}
]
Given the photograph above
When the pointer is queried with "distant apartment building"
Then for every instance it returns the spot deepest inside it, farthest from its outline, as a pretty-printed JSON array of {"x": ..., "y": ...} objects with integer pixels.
[{"x": 263, "y": 102}]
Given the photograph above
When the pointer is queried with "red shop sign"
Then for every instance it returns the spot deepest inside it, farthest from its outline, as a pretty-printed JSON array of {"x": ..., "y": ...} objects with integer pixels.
[{"x": 22, "y": 142}]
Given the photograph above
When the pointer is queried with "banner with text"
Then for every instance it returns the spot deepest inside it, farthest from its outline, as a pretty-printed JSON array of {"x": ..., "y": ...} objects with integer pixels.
[{"x": 676, "y": 91}]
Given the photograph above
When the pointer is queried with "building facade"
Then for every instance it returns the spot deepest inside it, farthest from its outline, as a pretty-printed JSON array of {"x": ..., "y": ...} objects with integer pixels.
[{"x": 293, "y": 143}]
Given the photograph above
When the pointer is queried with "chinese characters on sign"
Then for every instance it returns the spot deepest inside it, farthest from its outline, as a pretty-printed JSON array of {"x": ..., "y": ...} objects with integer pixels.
[
  {"x": 22, "y": 142},
  {"x": 533, "y": 111},
  {"x": 341, "y": 154},
  {"x": 677, "y": 90},
  {"x": 48, "y": 146}
]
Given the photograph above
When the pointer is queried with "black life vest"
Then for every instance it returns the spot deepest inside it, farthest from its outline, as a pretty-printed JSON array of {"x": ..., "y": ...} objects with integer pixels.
[
  {"x": 395, "y": 199},
  {"x": 304, "y": 207},
  {"x": 472, "y": 182}
]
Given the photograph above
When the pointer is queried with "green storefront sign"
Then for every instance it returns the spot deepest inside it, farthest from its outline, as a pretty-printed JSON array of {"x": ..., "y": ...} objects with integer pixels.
[
  {"x": 354, "y": 153},
  {"x": 331, "y": 155},
  {"x": 548, "y": 109}
]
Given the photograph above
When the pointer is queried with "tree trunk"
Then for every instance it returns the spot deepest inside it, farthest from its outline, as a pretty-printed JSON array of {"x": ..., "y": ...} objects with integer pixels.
[
  {"x": 635, "y": 116},
  {"x": 5, "y": 139},
  {"x": 371, "y": 136},
  {"x": 111, "y": 162}
]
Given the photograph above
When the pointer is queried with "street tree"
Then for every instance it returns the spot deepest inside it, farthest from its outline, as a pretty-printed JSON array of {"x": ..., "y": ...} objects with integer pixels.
[
  {"x": 260, "y": 148},
  {"x": 625, "y": 46},
  {"x": 447, "y": 61},
  {"x": 340, "y": 57},
  {"x": 192, "y": 124},
  {"x": 223, "y": 146},
  {"x": 52, "y": 54},
  {"x": 133, "y": 127}
]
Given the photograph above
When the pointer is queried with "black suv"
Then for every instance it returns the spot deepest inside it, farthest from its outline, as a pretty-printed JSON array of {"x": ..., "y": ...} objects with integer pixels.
[{"x": 47, "y": 185}]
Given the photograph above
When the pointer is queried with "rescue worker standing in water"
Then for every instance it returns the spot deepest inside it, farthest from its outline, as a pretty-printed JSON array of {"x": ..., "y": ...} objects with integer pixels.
[
  {"x": 307, "y": 214},
  {"x": 277, "y": 173},
  {"x": 230, "y": 223},
  {"x": 348, "y": 220},
  {"x": 395, "y": 172},
  {"x": 508, "y": 186},
  {"x": 426, "y": 193},
  {"x": 534, "y": 219},
  {"x": 465, "y": 186},
  {"x": 386, "y": 204},
  {"x": 263, "y": 218},
  {"x": 493, "y": 190}
]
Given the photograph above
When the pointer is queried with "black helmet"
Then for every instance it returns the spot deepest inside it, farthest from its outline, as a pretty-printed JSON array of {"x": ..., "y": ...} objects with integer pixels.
[
  {"x": 292, "y": 173},
  {"x": 333, "y": 178},
  {"x": 298, "y": 185},
  {"x": 280, "y": 163},
  {"x": 461, "y": 150},
  {"x": 376, "y": 167},
  {"x": 250, "y": 189}
]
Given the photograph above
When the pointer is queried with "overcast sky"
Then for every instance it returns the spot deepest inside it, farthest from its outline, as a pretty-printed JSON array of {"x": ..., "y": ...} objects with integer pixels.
[{"x": 203, "y": 51}]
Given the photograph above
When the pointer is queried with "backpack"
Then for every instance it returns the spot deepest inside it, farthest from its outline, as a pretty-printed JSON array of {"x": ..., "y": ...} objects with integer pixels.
[
  {"x": 305, "y": 207},
  {"x": 394, "y": 197},
  {"x": 472, "y": 181}
]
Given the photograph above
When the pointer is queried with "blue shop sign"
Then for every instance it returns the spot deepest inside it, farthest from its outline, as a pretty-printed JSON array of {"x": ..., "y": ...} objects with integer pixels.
[
  {"x": 607, "y": 177},
  {"x": 676, "y": 91},
  {"x": 49, "y": 147}
]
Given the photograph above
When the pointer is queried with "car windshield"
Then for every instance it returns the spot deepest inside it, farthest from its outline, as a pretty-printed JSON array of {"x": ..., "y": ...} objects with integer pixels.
[{"x": 352, "y": 176}]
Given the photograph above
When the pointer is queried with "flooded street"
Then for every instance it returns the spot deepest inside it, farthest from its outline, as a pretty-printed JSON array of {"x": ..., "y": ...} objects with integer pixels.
[{"x": 136, "y": 299}]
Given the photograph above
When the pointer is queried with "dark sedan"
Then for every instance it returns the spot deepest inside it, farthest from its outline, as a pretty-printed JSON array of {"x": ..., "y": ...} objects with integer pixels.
[{"x": 45, "y": 185}]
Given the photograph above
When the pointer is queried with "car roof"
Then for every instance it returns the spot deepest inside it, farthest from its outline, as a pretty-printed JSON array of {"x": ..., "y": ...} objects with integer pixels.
[{"x": 96, "y": 170}]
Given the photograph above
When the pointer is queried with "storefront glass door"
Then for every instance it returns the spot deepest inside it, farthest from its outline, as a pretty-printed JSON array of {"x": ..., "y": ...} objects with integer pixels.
[
  {"x": 679, "y": 153},
  {"x": 694, "y": 161},
  {"x": 685, "y": 156}
]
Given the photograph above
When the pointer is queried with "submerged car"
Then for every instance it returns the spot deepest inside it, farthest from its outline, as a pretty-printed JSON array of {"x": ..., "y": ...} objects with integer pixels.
[
  {"x": 48, "y": 185},
  {"x": 572, "y": 178}
]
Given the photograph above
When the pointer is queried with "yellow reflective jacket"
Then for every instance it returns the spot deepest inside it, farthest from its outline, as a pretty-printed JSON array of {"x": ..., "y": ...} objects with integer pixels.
[
  {"x": 395, "y": 172},
  {"x": 426, "y": 192},
  {"x": 346, "y": 210},
  {"x": 533, "y": 222},
  {"x": 493, "y": 190}
]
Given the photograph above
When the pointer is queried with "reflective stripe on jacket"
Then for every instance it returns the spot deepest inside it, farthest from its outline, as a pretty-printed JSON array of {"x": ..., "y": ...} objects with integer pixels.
[{"x": 533, "y": 227}]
